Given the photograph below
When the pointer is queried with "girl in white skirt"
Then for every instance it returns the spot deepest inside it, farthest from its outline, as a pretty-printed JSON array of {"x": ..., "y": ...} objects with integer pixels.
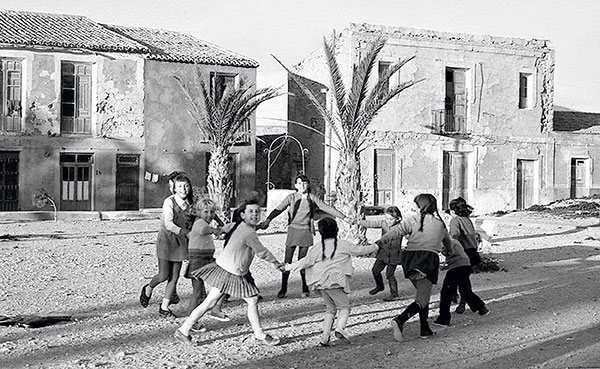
[{"x": 229, "y": 273}]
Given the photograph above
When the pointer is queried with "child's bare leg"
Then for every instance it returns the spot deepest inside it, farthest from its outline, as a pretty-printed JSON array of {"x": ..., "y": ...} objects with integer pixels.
[
  {"x": 254, "y": 318},
  {"x": 209, "y": 302}
]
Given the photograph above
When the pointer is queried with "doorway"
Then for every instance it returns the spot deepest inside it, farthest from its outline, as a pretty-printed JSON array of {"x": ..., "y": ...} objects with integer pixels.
[
  {"x": 9, "y": 180},
  {"x": 385, "y": 164},
  {"x": 578, "y": 178},
  {"x": 76, "y": 182},
  {"x": 127, "y": 182},
  {"x": 455, "y": 181},
  {"x": 525, "y": 183}
]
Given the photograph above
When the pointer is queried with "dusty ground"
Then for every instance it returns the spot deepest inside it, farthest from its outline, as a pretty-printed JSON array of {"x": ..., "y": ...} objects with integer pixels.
[{"x": 545, "y": 309}]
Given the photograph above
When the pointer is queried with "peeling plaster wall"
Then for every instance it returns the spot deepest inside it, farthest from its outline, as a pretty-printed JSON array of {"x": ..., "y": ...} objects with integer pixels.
[
  {"x": 172, "y": 137},
  {"x": 117, "y": 130},
  {"x": 500, "y": 132}
]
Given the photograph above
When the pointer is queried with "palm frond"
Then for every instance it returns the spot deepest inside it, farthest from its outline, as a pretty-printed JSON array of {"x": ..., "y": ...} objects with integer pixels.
[
  {"x": 339, "y": 89},
  {"x": 329, "y": 119}
]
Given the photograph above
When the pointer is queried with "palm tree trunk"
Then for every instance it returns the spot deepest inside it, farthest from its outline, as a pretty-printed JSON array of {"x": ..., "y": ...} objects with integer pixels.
[
  {"x": 348, "y": 189},
  {"x": 218, "y": 183}
]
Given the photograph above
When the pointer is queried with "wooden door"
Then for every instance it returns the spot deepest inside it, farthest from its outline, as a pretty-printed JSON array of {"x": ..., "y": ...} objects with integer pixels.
[
  {"x": 385, "y": 163},
  {"x": 127, "y": 182},
  {"x": 454, "y": 177},
  {"x": 9, "y": 180},
  {"x": 525, "y": 183},
  {"x": 578, "y": 185},
  {"x": 76, "y": 182}
]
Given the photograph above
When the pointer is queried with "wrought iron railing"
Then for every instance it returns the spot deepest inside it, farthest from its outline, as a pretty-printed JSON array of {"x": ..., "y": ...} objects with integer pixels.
[{"x": 445, "y": 122}]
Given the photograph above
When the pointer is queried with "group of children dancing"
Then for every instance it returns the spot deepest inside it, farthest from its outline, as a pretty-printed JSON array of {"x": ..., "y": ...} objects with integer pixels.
[{"x": 187, "y": 233}]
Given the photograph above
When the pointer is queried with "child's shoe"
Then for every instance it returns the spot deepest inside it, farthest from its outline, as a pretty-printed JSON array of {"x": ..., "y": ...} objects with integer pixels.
[
  {"x": 269, "y": 340},
  {"x": 391, "y": 297},
  {"x": 198, "y": 328},
  {"x": 440, "y": 323},
  {"x": 426, "y": 332},
  {"x": 174, "y": 300},
  {"x": 375, "y": 290},
  {"x": 342, "y": 335},
  {"x": 166, "y": 313},
  {"x": 182, "y": 337},
  {"x": 460, "y": 309},
  {"x": 144, "y": 299},
  {"x": 484, "y": 311},
  {"x": 398, "y": 329},
  {"x": 219, "y": 315}
]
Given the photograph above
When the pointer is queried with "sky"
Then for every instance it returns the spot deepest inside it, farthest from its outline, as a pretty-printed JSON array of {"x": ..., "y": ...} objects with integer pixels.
[{"x": 291, "y": 30}]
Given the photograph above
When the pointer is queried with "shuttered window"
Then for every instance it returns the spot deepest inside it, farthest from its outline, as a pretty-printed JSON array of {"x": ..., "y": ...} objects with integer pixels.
[
  {"x": 76, "y": 98},
  {"x": 10, "y": 95},
  {"x": 219, "y": 84}
]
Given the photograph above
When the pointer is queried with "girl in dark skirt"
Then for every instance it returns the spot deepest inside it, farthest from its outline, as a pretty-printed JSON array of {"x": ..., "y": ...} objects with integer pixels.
[
  {"x": 420, "y": 261},
  {"x": 463, "y": 230},
  {"x": 171, "y": 243},
  {"x": 229, "y": 273}
]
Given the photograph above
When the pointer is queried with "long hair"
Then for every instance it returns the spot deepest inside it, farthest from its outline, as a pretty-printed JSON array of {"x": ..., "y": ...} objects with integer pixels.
[
  {"x": 427, "y": 204},
  {"x": 328, "y": 229},
  {"x": 460, "y": 207},
  {"x": 236, "y": 217},
  {"x": 184, "y": 178},
  {"x": 394, "y": 211}
]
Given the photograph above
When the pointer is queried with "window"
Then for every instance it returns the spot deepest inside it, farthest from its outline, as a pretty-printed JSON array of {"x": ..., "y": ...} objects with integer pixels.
[
  {"x": 10, "y": 95},
  {"x": 525, "y": 90},
  {"x": 382, "y": 70},
  {"x": 76, "y": 98},
  {"x": 219, "y": 84}
]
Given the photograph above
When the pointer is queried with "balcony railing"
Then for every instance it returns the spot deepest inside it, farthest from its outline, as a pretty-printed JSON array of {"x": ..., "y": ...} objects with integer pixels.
[{"x": 444, "y": 122}]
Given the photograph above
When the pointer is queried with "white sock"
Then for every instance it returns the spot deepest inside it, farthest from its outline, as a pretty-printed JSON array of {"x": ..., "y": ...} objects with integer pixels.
[
  {"x": 186, "y": 326},
  {"x": 165, "y": 304}
]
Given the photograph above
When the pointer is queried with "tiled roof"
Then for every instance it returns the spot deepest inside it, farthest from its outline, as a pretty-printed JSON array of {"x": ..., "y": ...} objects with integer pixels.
[
  {"x": 77, "y": 32},
  {"x": 179, "y": 47},
  {"x": 61, "y": 30},
  {"x": 577, "y": 122}
]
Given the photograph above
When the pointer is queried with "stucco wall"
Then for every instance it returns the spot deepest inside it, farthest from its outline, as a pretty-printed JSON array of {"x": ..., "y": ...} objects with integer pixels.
[
  {"x": 40, "y": 143},
  {"x": 172, "y": 137},
  {"x": 500, "y": 132}
]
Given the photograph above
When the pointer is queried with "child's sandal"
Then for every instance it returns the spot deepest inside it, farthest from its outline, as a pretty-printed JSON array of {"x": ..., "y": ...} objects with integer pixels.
[{"x": 144, "y": 299}]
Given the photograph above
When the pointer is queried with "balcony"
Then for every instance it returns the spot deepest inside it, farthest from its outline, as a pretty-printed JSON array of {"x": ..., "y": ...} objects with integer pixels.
[{"x": 444, "y": 122}]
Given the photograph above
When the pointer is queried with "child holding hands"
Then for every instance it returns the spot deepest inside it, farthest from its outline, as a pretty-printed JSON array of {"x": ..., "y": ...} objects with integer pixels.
[
  {"x": 389, "y": 255},
  {"x": 328, "y": 272},
  {"x": 201, "y": 250},
  {"x": 229, "y": 274}
]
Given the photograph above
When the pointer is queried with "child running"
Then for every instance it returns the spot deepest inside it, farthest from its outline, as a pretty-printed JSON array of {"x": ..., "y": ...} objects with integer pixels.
[
  {"x": 201, "y": 250},
  {"x": 459, "y": 270},
  {"x": 229, "y": 273},
  {"x": 463, "y": 230},
  {"x": 302, "y": 207},
  {"x": 420, "y": 260},
  {"x": 171, "y": 243},
  {"x": 389, "y": 254},
  {"x": 328, "y": 272}
]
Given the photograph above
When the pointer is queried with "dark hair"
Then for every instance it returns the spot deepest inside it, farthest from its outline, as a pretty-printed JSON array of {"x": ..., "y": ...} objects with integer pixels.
[
  {"x": 460, "y": 207},
  {"x": 184, "y": 178},
  {"x": 328, "y": 229},
  {"x": 427, "y": 205},
  {"x": 393, "y": 211},
  {"x": 301, "y": 177},
  {"x": 236, "y": 217},
  {"x": 174, "y": 174}
]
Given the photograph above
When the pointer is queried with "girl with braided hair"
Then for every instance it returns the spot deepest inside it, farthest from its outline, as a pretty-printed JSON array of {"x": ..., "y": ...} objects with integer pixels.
[
  {"x": 328, "y": 272},
  {"x": 425, "y": 235}
]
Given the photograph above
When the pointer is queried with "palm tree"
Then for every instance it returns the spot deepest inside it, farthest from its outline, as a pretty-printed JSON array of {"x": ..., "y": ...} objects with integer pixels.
[
  {"x": 351, "y": 113},
  {"x": 220, "y": 117}
]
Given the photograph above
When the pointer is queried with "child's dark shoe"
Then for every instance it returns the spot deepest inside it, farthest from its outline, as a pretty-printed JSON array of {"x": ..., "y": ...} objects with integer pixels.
[
  {"x": 375, "y": 291},
  {"x": 484, "y": 311},
  {"x": 342, "y": 336},
  {"x": 198, "y": 328},
  {"x": 174, "y": 300},
  {"x": 166, "y": 313},
  {"x": 426, "y": 332},
  {"x": 144, "y": 299},
  {"x": 440, "y": 323},
  {"x": 219, "y": 315},
  {"x": 460, "y": 309}
]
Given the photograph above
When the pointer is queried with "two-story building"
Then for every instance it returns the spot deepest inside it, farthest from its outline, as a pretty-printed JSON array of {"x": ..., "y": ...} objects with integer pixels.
[
  {"x": 479, "y": 125},
  {"x": 93, "y": 114}
]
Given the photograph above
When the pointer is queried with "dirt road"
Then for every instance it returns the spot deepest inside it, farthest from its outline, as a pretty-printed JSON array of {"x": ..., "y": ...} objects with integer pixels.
[{"x": 545, "y": 308}]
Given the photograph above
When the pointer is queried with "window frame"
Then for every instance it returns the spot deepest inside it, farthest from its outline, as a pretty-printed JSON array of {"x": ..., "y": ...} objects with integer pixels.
[
  {"x": 235, "y": 83},
  {"x": 81, "y": 101},
  {"x": 526, "y": 90},
  {"x": 5, "y": 93}
]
